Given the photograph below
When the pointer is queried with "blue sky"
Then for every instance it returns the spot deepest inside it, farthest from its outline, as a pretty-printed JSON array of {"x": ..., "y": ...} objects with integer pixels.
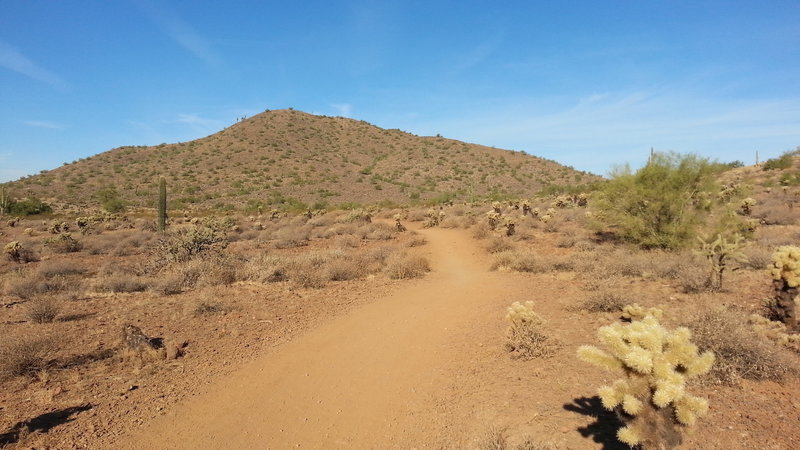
[{"x": 590, "y": 84}]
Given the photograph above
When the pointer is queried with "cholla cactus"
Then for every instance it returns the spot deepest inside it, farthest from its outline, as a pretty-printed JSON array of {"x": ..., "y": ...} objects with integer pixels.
[
  {"x": 562, "y": 201},
  {"x": 719, "y": 253},
  {"x": 526, "y": 207},
  {"x": 775, "y": 331},
  {"x": 651, "y": 400},
  {"x": 535, "y": 212},
  {"x": 13, "y": 250},
  {"x": 746, "y": 207},
  {"x": 432, "y": 218},
  {"x": 785, "y": 271},
  {"x": 397, "y": 225},
  {"x": 524, "y": 334},
  {"x": 510, "y": 225},
  {"x": 494, "y": 219},
  {"x": 636, "y": 312},
  {"x": 58, "y": 227},
  {"x": 582, "y": 199},
  {"x": 497, "y": 207}
]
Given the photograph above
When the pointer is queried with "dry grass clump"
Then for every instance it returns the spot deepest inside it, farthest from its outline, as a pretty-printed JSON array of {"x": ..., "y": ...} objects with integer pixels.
[
  {"x": 481, "y": 231},
  {"x": 267, "y": 269},
  {"x": 169, "y": 283},
  {"x": 741, "y": 352},
  {"x": 27, "y": 286},
  {"x": 528, "y": 261},
  {"x": 307, "y": 275},
  {"x": 604, "y": 301},
  {"x": 290, "y": 237},
  {"x": 119, "y": 282},
  {"x": 60, "y": 267},
  {"x": 133, "y": 244},
  {"x": 25, "y": 355},
  {"x": 495, "y": 440},
  {"x": 404, "y": 265},
  {"x": 376, "y": 231},
  {"x": 347, "y": 241},
  {"x": 415, "y": 240},
  {"x": 342, "y": 269},
  {"x": 757, "y": 258},
  {"x": 499, "y": 244},
  {"x": 43, "y": 309}
]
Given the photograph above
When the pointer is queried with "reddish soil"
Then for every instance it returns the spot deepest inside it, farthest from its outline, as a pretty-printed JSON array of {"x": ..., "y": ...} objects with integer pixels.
[{"x": 413, "y": 364}]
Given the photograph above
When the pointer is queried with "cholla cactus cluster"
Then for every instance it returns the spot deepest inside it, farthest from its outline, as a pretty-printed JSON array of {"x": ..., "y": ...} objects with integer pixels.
[
  {"x": 719, "y": 253},
  {"x": 746, "y": 207},
  {"x": 13, "y": 250},
  {"x": 651, "y": 400},
  {"x": 525, "y": 337},
  {"x": 497, "y": 207},
  {"x": 433, "y": 218},
  {"x": 636, "y": 312},
  {"x": 526, "y": 207},
  {"x": 785, "y": 271},
  {"x": 493, "y": 217},
  {"x": 58, "y": 227},
  {"x": 397, "y": 225},
  {"x": 510, "y": 225},
  {"x": 786, "y": 266},
  {"x": 775, "y": 331}
]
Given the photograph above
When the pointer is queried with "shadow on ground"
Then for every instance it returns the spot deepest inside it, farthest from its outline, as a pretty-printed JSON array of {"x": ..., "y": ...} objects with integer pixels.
[
  {"x": 604, "y": 428},
  {"x": 42, "y": 423}
]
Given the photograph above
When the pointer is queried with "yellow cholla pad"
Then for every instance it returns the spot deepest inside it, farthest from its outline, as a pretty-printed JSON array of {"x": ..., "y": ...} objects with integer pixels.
[
  {"x": 786, "y": 265},
  {"x": 628, "y": 435},
  {"x": 518, "y": 313}
]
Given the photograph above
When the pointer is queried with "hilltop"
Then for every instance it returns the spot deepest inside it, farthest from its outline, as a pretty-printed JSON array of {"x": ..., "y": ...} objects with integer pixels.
[{"x": 287, "y": 157}]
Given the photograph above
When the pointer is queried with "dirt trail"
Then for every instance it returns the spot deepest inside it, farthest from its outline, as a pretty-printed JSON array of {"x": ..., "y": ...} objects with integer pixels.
[{"x": 374, "y": 378}]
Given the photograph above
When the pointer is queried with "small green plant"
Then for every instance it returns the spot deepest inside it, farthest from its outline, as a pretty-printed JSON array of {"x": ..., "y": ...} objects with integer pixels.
[
  {"x": 651, "y": 399},
  {"x": 524, "y": 336}
]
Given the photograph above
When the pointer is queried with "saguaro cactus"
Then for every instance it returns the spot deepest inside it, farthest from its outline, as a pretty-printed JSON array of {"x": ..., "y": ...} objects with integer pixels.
[
  {"x": 3, "y": 201},
  {"x": 651, "y": 400},
  {"x": 162, "y": 204}
]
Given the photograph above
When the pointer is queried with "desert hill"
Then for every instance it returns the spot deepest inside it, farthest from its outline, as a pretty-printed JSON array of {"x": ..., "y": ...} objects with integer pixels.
[{"x": 291, "y": 158}]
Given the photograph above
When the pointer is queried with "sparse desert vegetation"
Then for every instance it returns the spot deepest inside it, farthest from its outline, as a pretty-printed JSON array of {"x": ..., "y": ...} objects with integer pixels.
[{"x": 704, "y": 265}]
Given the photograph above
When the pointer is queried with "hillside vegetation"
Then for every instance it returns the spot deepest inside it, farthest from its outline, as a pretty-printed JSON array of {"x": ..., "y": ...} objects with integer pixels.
[{"x": 290, "y": 158}]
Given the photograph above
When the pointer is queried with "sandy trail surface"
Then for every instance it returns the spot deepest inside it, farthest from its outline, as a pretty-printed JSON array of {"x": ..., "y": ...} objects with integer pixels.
[{"x": 377, "y": 377}]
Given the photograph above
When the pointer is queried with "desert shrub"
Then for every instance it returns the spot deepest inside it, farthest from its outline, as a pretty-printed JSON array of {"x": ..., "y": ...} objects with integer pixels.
[
  {"x": 518, "y": 261},
  {"x": 42, "y": 309},
  {"x": 183, "y": 245},
  {"x": 719, "y": 254},
  {"x": 205, "y": 307},
  {"x": 60, "y": 267},
  {"x": 756, "y": 258},
  {"x": 416, "y": 240},
  {"x": 566, "y": 242},
  {"x": 481, "y": 231},
  {"x": 342, "y": 269},
  {"x": 291, "y": 237},
  {"x": 18, "y": 252},
  {"x": 62, "y": 243},
  {"x": 123, "y": 283},
  {"x": 267, "y": 269},
  {"x": 168, "y": 283},
  {"x": 661, "y": 204},
  {"x": 28, "y": 286},
  {"x": 524, "y": 336},
  {"x": 604, "y": 301},
  {"x": 25, "y": 355},
  {"x": 28, "y": 207},
  {"x": 499, "y": 244},
  {"x": 650, "y": 399},
  {"x": 782, "y": 162},
  {"x": 376, "y": 232},
  {"x": 307, "y": 275},
  {"x": 741, "y": 352},
  {"x": 347, "y": 241},
  {"x": 404, "y": 265}
]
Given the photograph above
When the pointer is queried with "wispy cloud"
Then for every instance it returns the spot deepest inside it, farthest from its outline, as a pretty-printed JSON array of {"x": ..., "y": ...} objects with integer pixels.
[
  {"x": 344, "y": 109},
  {"x": 200, "y": 124},
  {"x": 12, "y": 59},
  {"x": 181, "y": 32},
  {"x": 44, "y": 124}
]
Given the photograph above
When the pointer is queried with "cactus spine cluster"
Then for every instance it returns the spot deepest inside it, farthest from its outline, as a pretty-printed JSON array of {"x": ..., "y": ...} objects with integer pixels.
[
  {"x": 162, "y": 204},
  {"x": 785, "y": 271},
  {"x": 651, "y": 400}
]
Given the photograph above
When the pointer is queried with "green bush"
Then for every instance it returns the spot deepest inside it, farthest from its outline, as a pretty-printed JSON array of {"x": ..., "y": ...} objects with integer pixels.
[
  {"x": 782, "y": 162},
  {"x": 28, "y": 207},
  {"x": 661, "y": 204}
]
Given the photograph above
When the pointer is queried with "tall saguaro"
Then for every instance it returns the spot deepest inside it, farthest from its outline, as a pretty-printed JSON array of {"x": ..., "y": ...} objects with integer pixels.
[{"x": 162, "y": 204}]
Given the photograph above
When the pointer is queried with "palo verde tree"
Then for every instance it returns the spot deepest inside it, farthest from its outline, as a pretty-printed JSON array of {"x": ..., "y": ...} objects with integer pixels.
[{"x": 661, "y": 204}]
